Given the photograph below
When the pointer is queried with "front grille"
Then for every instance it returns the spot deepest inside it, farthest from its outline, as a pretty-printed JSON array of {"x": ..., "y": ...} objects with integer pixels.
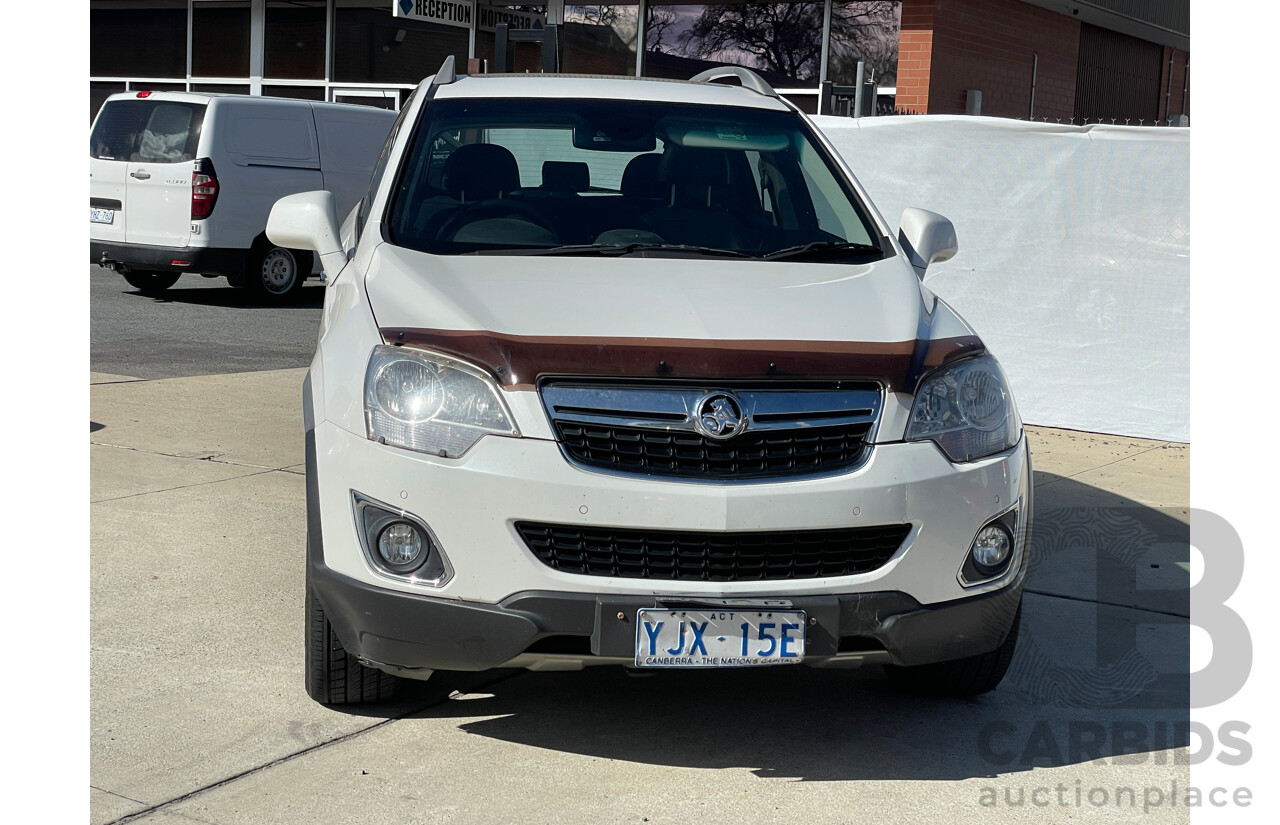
[
  {"x": 658, "y": 429},
  {"x": 682, "y": 454},
  {"x": 703, "y": 556}
]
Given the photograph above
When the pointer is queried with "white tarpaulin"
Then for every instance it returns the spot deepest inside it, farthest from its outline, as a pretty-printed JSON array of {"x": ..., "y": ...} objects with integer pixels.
[{"x": 1074, "y": 259}]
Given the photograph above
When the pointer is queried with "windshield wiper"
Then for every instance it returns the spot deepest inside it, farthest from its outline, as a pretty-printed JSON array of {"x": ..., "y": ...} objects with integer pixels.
[
  {"x": 822, "y": 249},
  {"x": 621, "y": 250}
]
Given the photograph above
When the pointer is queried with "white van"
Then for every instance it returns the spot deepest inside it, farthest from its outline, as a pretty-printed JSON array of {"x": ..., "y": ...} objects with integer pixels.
[{"x": 183, "y": 182}]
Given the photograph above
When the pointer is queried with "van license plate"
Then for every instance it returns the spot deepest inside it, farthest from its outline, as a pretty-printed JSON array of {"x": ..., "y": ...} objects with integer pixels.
[
  {"x": 102, "y": 215},
  {"x": 719, "y": 638}
]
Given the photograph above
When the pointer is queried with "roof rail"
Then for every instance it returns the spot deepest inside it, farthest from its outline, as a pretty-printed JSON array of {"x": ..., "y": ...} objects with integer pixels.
[
  {"x": 446, "y": 74},
  {"x": 748, "y": 79}
]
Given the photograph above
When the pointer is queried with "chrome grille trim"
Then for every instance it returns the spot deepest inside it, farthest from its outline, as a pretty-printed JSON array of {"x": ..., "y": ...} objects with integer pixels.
[{"x": 794, "y": 429}]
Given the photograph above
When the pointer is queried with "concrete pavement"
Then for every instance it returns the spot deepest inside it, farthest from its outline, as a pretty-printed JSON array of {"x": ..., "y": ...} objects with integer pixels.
[{"x": 198, "y": 712}]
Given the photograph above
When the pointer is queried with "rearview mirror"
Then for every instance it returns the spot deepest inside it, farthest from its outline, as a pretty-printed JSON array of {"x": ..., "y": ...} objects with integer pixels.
[
  {"x": 618, "y": 136},
  {"x": 309, "y": 220},
  {"x": 927, "y": 238}
]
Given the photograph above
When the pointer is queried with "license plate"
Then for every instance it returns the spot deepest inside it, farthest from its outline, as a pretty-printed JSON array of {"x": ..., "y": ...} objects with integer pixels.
[
  {"x": 719, "y": 638},
  {"x": 102, "y": 215}
]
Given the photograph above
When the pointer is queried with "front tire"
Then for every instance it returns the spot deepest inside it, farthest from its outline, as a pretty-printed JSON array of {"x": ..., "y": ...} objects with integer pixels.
[
  {"x": 145, "y": 281},
  {"x": 275, "y": 274},
  {"x": 971, "y": 676},
  {"x": 335, "y": 677}
]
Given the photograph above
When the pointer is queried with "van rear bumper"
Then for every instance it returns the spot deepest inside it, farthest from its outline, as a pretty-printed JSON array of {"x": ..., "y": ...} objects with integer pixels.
[{"x": 204, "y": 260}]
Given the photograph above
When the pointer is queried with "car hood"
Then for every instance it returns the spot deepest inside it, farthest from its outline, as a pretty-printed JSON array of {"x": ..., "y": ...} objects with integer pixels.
[{"x": 525, "y": 316}]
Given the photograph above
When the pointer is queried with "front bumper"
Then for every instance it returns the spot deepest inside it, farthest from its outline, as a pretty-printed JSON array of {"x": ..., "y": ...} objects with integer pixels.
[
  {"x": 505, "y": 608},
  {"x": 472, "y": 506}
]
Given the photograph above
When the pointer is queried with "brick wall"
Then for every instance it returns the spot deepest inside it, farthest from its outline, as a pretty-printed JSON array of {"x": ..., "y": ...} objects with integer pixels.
[
  {"x": 1172, "y": 92},
  {"x": 915, "y": 51},
  {"x": 951, "y": 46}
]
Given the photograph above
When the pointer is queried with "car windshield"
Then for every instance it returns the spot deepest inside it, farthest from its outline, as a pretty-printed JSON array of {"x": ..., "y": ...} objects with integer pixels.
[{"x": 600, "y": 177}]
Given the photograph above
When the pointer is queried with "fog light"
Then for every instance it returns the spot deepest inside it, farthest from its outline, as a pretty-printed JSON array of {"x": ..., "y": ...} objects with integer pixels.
[
  {"x": 400, "y": 544},
  {"x": 992, "y": 547}
]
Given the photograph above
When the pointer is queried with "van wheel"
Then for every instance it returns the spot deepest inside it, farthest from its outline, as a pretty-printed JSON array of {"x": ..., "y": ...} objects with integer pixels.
[
  {"x": 275, "y": 273},
  {"x": 150, "y": 281},
  {"x": 335, "y": 677},
  {"x": 970, "y": 676}
]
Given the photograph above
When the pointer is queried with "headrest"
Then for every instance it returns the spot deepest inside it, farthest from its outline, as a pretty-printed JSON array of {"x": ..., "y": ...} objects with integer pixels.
[
  {"x": 565, "y": 176},
  {"x": 683, "y": 165},
  {"x": 169, "y": 120},
  {"x": 640, "y": 178},
  {"x": 478, "y": 171}
]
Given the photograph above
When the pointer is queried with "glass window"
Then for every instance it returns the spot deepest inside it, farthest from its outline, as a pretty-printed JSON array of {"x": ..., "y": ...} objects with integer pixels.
[
  {"x": 869, "y": 30},
  {"x": 379, "y": 98},
  {"x": 582, "y": 176},
  {"x": 295, "y": 39},
  {"x": 154, "y": 131},
  {"x": 300, "y": 92},
  {"x": 222, "y": 88},
  {"x": 142, "y": 40},
  {"x": 220, "y": 39},
  {"x": 540, "y": 150},
  {"x": 380, "y": 167},
  {"x": 371, "y": 46},
  {"x": 600, "y": 39},
  {"x": 98, "y": 94},
  {"x": 526, "y": 57},
  {"x": 782, "y": 42}
]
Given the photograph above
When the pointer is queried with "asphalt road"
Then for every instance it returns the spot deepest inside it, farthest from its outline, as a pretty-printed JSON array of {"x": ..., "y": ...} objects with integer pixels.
[{"x": 199, "y": 326}]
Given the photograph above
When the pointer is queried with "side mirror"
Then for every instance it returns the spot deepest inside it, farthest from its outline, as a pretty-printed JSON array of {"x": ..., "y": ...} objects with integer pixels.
[
  {"x": 927, "y": 238},
  {"x": 309, "y": 220}
]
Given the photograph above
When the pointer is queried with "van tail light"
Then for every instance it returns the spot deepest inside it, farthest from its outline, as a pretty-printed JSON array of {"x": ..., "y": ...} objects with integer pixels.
[{"x": 204, "y": 189}]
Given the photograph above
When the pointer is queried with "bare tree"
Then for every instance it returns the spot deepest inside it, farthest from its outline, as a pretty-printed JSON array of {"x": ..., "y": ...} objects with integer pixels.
[
  {"x": 787, "y": 37},
  {"x": 621, "y": 19},
  {"x": 658, "y": 21},
  {"x": 784, "y": 37},
  {"x": 868, "y": 33},
  {"x": 594, "y": 15}
]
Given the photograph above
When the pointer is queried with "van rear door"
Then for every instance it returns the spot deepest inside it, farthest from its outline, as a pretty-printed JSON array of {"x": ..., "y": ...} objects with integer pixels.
[
  {"x": 111, "y": 143},
  {"x": 143, "y": 157}
]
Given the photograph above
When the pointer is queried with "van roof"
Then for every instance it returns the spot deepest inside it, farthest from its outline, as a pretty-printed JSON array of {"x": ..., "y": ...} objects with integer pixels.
[
  {"x": 209, "y": 97},
  {"x": 602, "y": 87}
]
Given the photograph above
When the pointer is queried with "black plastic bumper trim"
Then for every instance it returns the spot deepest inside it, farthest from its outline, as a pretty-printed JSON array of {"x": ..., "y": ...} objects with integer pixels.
[
  {"x": 205, "y": 260},
  {"x": 412, "y": 632}
]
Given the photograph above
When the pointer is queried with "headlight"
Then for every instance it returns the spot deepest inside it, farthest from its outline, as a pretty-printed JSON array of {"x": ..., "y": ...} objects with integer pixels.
[
  {"x": 966, "y": 409},
  {"x": 430, "y": 403}
]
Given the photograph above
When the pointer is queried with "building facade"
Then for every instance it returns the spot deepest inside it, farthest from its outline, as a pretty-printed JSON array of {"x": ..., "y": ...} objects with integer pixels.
[
  {"x": 1024, "y": 58},
  {"x": 1074, "y": 62},
  {"x": 376, "y": 51}
]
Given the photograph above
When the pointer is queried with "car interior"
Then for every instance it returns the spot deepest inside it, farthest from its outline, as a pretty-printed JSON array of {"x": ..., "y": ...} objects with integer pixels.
[{"x": 526, "y": 185}]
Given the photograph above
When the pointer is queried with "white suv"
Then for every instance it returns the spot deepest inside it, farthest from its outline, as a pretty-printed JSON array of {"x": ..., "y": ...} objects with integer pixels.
[{"x": 629, "y": 371}]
